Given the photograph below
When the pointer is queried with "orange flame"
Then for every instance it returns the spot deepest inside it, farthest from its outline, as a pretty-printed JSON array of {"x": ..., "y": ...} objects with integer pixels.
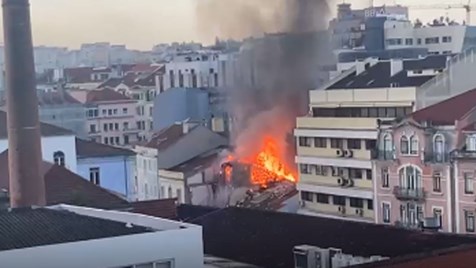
[{"x": 266, "y": 165}]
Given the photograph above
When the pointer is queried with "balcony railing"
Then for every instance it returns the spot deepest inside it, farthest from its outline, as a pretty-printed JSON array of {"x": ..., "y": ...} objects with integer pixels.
[
  {"x": 402, "y": 193},
  {"x": 407, "y": 225},
  {"x": 464, "y": 154}
]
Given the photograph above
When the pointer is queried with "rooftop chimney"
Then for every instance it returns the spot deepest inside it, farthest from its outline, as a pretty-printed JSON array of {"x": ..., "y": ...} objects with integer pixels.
[{"x": 27, "y": 186}]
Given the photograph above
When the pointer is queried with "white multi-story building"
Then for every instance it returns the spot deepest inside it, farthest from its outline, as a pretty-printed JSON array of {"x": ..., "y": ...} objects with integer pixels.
[
  {"x": 86, "y": 237},
  {"x": 440, "y": 38},
  {"x": 192, "y": 70}
]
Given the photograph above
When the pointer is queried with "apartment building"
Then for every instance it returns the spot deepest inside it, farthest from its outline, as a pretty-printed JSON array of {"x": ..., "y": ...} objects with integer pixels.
[
  {"x": 110, "y": 116},
  {"x": 425, "y": 169},
  {"x": 336, "y": 142}
]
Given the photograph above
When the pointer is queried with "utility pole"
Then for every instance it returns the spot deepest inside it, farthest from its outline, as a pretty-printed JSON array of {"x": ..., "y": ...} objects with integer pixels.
[{"x": 27, "y": 186}]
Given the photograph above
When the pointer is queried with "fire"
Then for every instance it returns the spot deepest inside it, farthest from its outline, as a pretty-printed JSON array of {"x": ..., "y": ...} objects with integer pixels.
[{"x": 266, "y": 165}]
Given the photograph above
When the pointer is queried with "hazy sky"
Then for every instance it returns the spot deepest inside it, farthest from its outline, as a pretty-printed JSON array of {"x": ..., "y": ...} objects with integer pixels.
[{"x": 140, "y": 23}]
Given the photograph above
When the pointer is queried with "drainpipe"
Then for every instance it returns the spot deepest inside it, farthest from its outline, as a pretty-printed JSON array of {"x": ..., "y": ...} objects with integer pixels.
[{"x": 27, "y": 186}]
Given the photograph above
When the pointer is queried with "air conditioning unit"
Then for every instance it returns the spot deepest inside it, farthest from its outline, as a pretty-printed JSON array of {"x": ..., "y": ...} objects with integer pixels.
[
  {"x": 340, "y": 153},
  {"x": 359, "y": 212},
  {"x": 342, "y": 209},
  {"x": 349, "y": 153},
  {"x": 341, "y": 181},
  {"x": 310, "y": 256},
  {"x": 350, "y": 183}
]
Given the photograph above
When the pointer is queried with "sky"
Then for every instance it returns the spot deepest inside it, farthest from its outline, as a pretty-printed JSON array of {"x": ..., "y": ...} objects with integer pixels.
[{"x": 140, "y": 24}]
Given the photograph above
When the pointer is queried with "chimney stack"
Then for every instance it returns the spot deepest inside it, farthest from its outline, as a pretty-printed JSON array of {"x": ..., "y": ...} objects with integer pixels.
[{"x": 27, "y": 186}]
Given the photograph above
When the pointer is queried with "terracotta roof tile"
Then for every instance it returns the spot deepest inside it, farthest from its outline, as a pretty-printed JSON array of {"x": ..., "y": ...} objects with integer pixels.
[
  {"x": 47, "y": 130},
  {"x": 56, "y": 98},
  {"x": 105, "y": 95},
  {"x": 447, "y": 111},
  {"x": 88, "y": 149},
  {"x": 65, "y": 187}
]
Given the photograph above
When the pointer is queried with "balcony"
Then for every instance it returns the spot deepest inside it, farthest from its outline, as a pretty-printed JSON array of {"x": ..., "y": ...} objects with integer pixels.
[
  {"x": 464, "y": 154},
  {"x": 360, "y": 154},
  {"x": 417, "y": 194},
  {"x": 353, "y": 123},
  {"x": 383, "y": 155},
  {"x": 437, "y": 157},
  {"x": 407, "y": 225}
]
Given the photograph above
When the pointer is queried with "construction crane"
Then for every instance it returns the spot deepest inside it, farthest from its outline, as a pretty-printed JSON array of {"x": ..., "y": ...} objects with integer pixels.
[{"x": 467, "y": 7}]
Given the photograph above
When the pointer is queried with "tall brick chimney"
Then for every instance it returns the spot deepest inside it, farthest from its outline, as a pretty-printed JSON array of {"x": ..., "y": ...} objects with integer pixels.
[{"x": 27, "y": 186}]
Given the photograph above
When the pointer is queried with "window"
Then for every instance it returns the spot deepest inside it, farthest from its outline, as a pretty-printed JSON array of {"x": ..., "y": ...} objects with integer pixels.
[
  {"x": 471, "y": 143},
  {"x": 124, "y": 110},
  {"x": 59, "y": 158},
  {"x": 126, "y": 139},
  {"x": 394, "y": 41},
  {"x": 409, "y": 41},
  {"x": 469, "y": 220},
  {"x": 418, "y": 41},
  {"x": 438, "y": 214},
  {"x": 109, "y": 112},
  {"x": 410, "y": 178},
  {"x": 104, "y": 112},
  {"x": 439, "y": 148},
  {"x": 111, "y": 140},
  {"x": 179, "y": 195},
  {"x": 106, "y": 141},
  {"x": 114, "y": 111},
  {"x": 305, "y": 169},
  {"x": 355, "y": 173},
  {"x": 320, "y": 142},
  {"x": 337, "y": 143},
  {"x": 92, "y": 128},
  {"x": 118, "y": 140},
  {"x": 404, "y": 145},
  {"x": 338, "y": 200},
  {"x": 437, "y": 182},
  {"x": 446, "y": 39},
  {"x": 385, "y": 178},
  {"x": 94, "y": 176},
  {"x": 306, "y": 196},
  {"x": 116, "y": 126},
  {"x": 387, "y": 143},
  {"x": 354, "y": 144},
  {"x": 357, "y": 203},
  {"x": 413, "y": 145},
  {"x": 368, "y": 174},
  {"x": 170, "y": 192},
  {"x": 468, "y": 183},
  {"x": 386, "y": 212},
  {"x": 105, "y": 127},
  {"x": 304, "y": 142},
  {"x": 321, "y": 170},
  {"x": 125, "y": 125},
  {"x": 323, "y": 198},
  {"x": 370, "y": 144},
  {"x": 370, "y": 204},
  {"x": 373, "y": 112},
  {"x": 432, "y": 40}
]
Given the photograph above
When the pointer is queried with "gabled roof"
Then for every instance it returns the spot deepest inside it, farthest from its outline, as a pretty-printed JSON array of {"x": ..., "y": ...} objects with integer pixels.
[
  {"x": 447, "y": 111},
  {"x": 267, "y": 238},
  {"x": 199, "y": 163},
  {"x": 165, "y": 137},
  {"x": 111, "y": 83},
  {"x": 162, "y": 208},
  {"x": 47, "y": 130},
  {"x": 27, "y": 227},
  {"x": 105, "y": 95},
  {"x": 90, "y": 149},
  {"x": 65, "y": 187}
]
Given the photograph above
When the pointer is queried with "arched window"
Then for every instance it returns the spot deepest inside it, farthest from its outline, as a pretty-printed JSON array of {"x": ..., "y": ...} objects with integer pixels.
[
  {"x": 414, "y": 145},
  {"x": 59, "y": 158},
  {"x": 471, "y": 143},
  {"x": 404, "y": 145},
  {"x": 439, "y": 147},
  {"x": 170, "y": 192},
  {"x": 387, "y": 143},
  {"x": 410, "y": 177}
]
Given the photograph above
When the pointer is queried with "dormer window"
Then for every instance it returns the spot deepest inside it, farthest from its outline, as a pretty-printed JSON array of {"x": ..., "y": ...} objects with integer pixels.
[
  {"x": 59, "y": 158},
  {"x": 471, "y": 143}
]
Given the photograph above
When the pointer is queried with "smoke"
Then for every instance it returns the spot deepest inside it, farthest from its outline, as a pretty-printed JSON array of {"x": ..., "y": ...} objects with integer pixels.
[{"x": 277, "y": 66}]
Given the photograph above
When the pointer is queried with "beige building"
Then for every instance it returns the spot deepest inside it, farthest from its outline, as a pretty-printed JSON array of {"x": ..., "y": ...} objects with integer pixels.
[{"x": 336, "y": 142}]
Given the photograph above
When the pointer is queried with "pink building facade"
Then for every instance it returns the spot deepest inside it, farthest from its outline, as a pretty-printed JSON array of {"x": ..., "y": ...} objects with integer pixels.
[{"x": 413, "y": 176}]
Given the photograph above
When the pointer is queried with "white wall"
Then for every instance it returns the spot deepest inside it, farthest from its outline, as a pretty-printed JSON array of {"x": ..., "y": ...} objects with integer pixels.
[
  {"x": 182, "y": 245},
  {"x": 202, "y": 71},
  {"x": 50, "y": 145},
  {"x": 147, "y": 174}
]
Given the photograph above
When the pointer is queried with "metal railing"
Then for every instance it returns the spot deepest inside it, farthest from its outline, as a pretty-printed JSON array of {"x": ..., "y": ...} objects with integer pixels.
[{"x": 403, "y": 193}]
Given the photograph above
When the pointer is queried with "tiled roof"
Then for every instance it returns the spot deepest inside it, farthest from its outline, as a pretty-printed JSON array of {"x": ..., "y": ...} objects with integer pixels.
[
  {"x": 88, "y": 149},
  {"x": 65, "y": 187},
  {"x": 447, "y": 111},
  {"x": 267, "y": 238},
  {"x": 56, "y": 98},
  {"x": 78, "y": 75},
  {"x": 105, "y": 95},
  {"x": 111, "y": 83},
  {"x": 47, "y": 130},
  {"x": 166, "y": 137},
  {"x": 25, "y": 228},
  {"x": 198, "y": 163},
  {"x": 162, "y": 208}
]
